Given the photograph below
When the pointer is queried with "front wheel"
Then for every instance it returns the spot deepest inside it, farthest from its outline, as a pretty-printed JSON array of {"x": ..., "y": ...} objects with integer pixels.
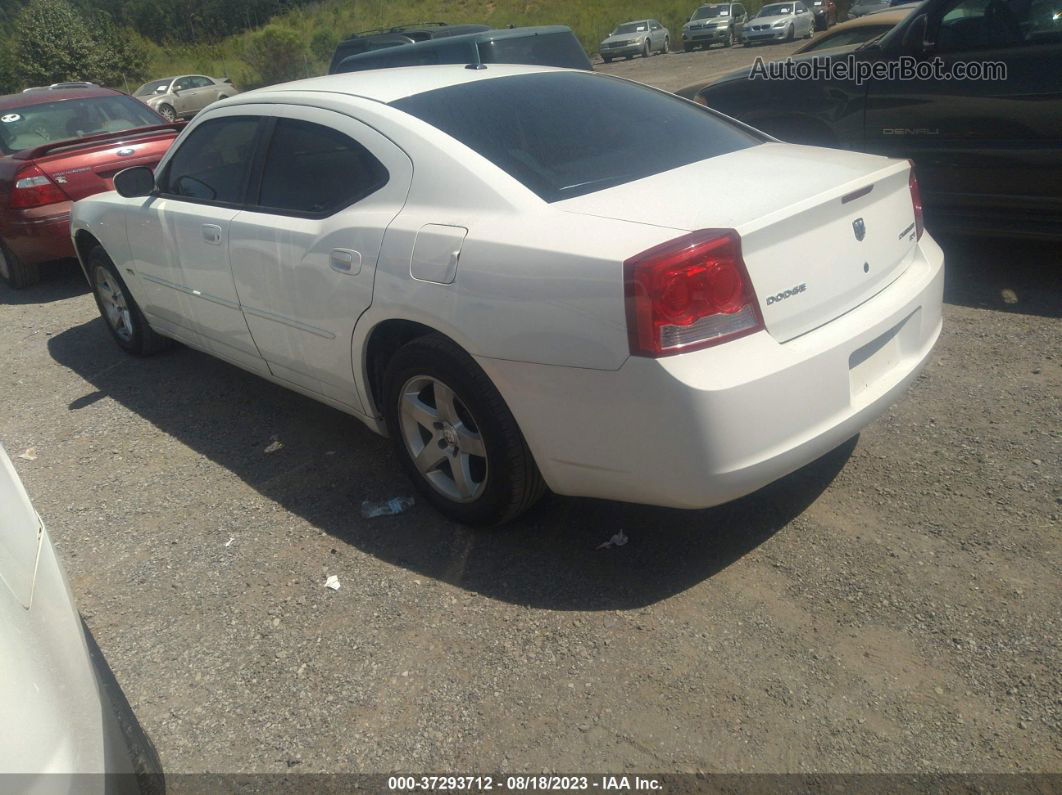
[
  {"x": 791, "y": 34},
  {"x": 729, "y": 39},
  {"x": 645, "y": 49},
  {"x": 667, "y": 45},
  {"x": 119, "y": 309},
  {"x": 606, "y": 58},
  {"x": 687, "y": 48},
  {"x": 455, "y": 437},
  {"x": 167, "y": 112}
]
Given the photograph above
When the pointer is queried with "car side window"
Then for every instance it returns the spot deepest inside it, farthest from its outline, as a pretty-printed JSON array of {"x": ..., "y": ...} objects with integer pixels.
[
  {"x": 211, "y": 164},
  {"x": 180, "y": 85},
  {"x": 966, "y": 25},
  {"x": 199, "y": 82},
  {"x": 314, "y": 170}
]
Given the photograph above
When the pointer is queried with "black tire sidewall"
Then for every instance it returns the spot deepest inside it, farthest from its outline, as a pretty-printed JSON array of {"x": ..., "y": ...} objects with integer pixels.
[{"x": 448, "y": 364}]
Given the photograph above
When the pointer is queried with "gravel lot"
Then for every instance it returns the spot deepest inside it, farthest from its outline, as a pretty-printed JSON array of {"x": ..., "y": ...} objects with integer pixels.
[{"x": 893, "y": 607}]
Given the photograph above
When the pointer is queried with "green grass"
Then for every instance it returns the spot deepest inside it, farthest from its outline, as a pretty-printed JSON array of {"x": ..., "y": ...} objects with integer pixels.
[{"x": 320, "y": 25}]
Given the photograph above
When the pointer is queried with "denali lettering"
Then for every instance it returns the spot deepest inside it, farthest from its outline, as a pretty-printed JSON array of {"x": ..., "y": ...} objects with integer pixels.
[{"x": 774, "y": 299}]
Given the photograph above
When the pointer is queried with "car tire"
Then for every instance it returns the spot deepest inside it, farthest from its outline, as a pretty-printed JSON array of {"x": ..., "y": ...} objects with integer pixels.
[
  {"x": 16, "y": 273},
  {"x": 667, "y": 46},
  {"x": 119, "y": 310},
  {"x": 606, "y": 58},
  {"x": 628, "y": 57},
  {"x": 167, "y": 112},
  {"x": 729, "y": 39},
  {"x": 791, "y": 34},
  {"x": 646, "y": 49},
  {"x": 432, "y": 380},
  {"x": 687, "y": 48}
]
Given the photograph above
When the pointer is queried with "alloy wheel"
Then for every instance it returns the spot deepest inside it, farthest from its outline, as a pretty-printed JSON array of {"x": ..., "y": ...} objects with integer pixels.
[
  {"x": 114, "y": 303},
  {"x": 443, "y": 439}
]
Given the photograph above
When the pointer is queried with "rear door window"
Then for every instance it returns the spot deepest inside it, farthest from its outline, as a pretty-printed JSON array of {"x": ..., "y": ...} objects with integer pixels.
[
  {"x": 211, "y": 164},
  {"x": 565, "y": 134},
  {"x": 314, "y": 170}
]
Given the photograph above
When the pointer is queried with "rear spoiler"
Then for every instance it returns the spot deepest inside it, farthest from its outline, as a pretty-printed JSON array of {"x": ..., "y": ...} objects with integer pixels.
[{"x": 117, "y": 137}]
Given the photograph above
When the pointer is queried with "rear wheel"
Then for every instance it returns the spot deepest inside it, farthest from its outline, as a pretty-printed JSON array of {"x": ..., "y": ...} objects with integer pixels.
[
  {"x": 119, "y": 310},
  {"x": 455, "y": 437},
  {"x": 16, "y": 273}
]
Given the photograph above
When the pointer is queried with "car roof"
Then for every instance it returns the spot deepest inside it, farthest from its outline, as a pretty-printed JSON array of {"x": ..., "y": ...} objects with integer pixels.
[
  {"x": 10, "y": 101},
  {"x": 392, "y": 83}
]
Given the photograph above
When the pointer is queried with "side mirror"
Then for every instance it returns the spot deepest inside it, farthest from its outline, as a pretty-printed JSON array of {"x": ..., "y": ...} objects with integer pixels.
[
  {"x": 914, "y": 38},
  {"x": 134, "y": 182}
]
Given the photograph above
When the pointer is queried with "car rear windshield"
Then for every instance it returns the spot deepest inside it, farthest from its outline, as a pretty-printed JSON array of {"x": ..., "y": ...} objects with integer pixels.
[
  {"x": 36, "y": 125},
  {"x": 565, "y": 134},
  {"x": 539, "y": 49},
  {"x": 151, "y": 88}
]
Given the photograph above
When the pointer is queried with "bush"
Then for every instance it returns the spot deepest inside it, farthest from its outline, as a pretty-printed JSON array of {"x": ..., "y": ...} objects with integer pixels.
[{"x": 277, "y": 53}]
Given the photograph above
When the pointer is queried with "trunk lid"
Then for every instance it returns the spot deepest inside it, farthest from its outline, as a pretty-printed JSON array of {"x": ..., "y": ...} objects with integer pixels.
[
  {"x": 83, "y": 167},
  {"x": 821, "y": 230}
]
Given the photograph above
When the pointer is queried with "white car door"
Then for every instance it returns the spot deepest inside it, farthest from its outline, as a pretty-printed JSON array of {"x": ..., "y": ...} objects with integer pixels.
[
  {"x": 304, "y": 258},
  {"x": 179, "y": 237}
]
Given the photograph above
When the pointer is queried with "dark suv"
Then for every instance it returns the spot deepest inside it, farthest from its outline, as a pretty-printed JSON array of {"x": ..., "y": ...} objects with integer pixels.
[
  {"x": 987, "y": 150},
  {"x": 551, "y": 45},
  {"x": 381, "y": 38}
]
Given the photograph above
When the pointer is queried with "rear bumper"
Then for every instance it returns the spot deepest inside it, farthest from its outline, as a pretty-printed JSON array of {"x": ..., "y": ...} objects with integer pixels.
[
  {"x": 707, "y": 427},
  {"x": 39, "y": 234}
]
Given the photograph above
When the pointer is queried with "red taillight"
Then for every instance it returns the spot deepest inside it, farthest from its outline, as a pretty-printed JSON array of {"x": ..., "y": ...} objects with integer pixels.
[
  {"x": 33, "y": 188},
  {"x": 689, "y": 293},
  {"x": 916, "y": 201}
]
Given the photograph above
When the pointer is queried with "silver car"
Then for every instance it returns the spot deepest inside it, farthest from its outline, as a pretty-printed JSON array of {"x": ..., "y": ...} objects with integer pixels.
[
  {"x": 718, "y": 23},
  {"x": 635, "y": 38},
  {"x": 184, "y": 96},
  {"x": 780, "y": 22}
]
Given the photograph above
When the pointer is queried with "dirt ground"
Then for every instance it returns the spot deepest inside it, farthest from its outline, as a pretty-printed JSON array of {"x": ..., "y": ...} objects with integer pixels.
[{"x": 893, "y": 607}]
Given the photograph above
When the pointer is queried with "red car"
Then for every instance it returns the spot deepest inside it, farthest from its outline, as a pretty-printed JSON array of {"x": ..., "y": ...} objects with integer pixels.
[{"x": 58, "y": 145}]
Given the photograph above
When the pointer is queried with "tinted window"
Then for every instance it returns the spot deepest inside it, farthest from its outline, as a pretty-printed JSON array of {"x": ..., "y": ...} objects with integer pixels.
[
  {"x": 44, "y": 123},
  {"x": 540, "y": 49},
  {"x": 211, "y": 164},
  {"x": 314, "y": 169},
  {"x": 565, "y": 134},
  {"x": 986, "y": 24}
]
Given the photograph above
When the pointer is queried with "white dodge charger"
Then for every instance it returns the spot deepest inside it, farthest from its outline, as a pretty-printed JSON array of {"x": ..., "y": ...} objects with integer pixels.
[{"x": 530, "y": 277}]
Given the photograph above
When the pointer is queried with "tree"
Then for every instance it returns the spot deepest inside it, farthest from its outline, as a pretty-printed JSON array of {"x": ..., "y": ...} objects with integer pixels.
[
  {"x": 276, "y": 53},
  {"x": 53, "y": 44}
]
